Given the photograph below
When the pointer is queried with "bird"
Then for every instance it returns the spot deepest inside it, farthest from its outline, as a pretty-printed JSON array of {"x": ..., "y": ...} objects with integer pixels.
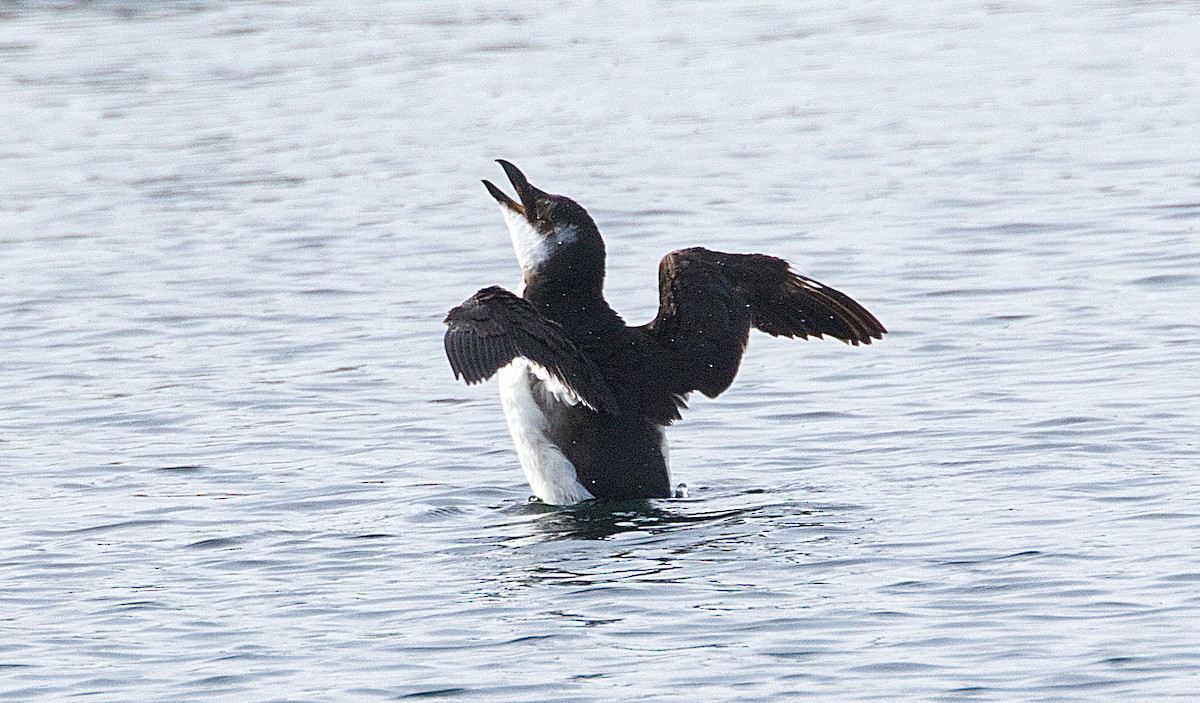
[{"x": 586, "y": 397}]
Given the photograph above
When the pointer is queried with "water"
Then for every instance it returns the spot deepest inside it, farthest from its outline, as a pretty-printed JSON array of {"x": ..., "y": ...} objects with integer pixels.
[{"x": 237, "y": 467}]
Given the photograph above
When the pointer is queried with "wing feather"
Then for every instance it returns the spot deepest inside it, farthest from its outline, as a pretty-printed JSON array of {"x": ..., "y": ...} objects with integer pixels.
[
  {"x": 494, "y": 327},
  {"x": 709, "y": 301}
]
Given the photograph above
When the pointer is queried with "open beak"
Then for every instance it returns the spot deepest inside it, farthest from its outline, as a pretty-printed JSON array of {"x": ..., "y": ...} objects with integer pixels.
[{"x": 525, "y": 191}]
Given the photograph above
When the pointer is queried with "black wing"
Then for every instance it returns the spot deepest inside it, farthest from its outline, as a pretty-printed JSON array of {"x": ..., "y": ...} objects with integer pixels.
[
  {"x": 493, "y": 327},
  {"x": 708, "y": 301}
]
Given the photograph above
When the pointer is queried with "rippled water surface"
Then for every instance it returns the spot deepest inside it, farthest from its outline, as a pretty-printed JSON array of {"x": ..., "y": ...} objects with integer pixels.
[{"x": 236, "y": 466}]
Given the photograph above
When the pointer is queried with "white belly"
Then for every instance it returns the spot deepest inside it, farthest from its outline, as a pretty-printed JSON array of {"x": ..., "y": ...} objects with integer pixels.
[{"x": 524, "y": 397}]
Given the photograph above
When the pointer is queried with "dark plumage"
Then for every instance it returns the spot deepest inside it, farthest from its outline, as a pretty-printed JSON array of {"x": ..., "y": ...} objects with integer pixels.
[
  {"x": 586, "y": 396},
  {"x": 493, "y": 327}
]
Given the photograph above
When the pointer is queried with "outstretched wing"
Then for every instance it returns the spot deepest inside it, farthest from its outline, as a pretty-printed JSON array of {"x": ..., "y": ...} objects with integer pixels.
[
  {"x": 494, "y": 327},
  {"x": 709, "y": 300}
]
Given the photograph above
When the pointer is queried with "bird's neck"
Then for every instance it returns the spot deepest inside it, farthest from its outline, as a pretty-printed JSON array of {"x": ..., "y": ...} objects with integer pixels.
[{"x": 580, "y": 309}]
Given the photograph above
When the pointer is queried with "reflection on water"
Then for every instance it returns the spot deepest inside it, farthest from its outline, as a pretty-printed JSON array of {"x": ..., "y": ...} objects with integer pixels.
[
  {"x": 639, "y": 544},
  {"x": 600, "y": 520}
]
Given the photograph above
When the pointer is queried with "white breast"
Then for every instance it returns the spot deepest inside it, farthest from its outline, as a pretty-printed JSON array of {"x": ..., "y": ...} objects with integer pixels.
[{"x": 525, "y": 399}]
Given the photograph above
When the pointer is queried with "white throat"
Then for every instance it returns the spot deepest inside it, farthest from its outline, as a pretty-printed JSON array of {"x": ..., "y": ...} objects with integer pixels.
[{"x": 532, "y": 248}]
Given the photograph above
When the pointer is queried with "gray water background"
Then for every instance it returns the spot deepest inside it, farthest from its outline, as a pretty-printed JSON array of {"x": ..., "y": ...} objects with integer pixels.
[{"x": 235, "y": 465}]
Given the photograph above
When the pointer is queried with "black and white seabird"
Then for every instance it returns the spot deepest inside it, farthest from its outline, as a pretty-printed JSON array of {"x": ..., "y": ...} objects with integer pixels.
[{"x": 587, "y": 398}]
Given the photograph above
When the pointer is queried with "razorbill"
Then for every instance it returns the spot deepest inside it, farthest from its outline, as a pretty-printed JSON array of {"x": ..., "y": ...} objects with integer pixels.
[{"x": 587, "y": 397}]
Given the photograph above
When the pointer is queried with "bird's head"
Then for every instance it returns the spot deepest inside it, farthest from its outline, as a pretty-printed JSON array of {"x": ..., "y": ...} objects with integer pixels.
[{"x": 553, "y": 235}]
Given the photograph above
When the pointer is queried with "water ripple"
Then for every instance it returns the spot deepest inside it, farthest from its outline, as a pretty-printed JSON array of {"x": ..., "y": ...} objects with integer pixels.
[{"x": 238, "y": 468}]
